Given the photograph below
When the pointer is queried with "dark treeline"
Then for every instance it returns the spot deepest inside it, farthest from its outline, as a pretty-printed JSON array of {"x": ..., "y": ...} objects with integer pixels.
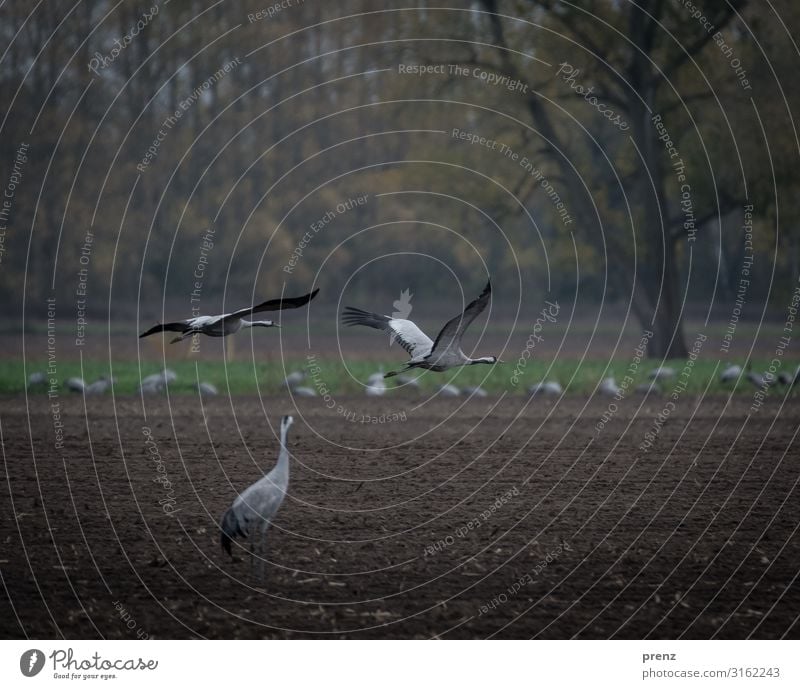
[{"x": 156, "y": 152}]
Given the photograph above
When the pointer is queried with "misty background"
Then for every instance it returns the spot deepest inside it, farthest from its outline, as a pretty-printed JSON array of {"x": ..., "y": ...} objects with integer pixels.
[{"x": 164, "y": 140}]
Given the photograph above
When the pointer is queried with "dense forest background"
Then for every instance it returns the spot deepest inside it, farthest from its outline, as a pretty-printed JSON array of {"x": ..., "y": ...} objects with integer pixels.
[{"x": 143, "y": 143}]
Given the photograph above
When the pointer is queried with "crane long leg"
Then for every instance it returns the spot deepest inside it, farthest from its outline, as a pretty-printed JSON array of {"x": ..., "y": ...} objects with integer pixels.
[
  {"x": 263, "y": 550},
  {"x": 188, "y": 333}
]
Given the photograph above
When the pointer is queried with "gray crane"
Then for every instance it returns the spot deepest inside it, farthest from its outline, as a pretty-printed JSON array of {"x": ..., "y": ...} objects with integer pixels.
[
  {"x": 75, "y": 384},
  {"x": 294, "y": 379},
  {"x": 207, "y": 389},
  {"x": 253, "y": 511},
  {"x": 435, "y": 355},
  {"x": 608, "y": 386},
  {"x": 662, "y": 373},
  {"x": 449, "y": 390},
  {"x": 99, "y": 387},
  {"x": 303, "y": 391},
  {"x": 475, "y": 391},
  {"x": 37, "y": 379},
  {"x": 376, "y": 387},
  {"x": 546, "y": 387},
  {"x": 759, "y": 380},
  {"x": 229, "y": 323},
  {"x": 156, "y": 382},
  {"x": 730, "y": 373}
]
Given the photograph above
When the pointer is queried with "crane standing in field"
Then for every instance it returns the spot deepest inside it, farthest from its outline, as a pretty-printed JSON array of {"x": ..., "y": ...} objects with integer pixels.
[
  {"x": 730, "y": 374},
  {"x": 435, "y": 355},
  {"x": 229, "y": 323},
  {"x": 257, "y": 506}
]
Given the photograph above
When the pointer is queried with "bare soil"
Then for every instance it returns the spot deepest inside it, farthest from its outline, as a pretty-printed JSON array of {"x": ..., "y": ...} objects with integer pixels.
[{"x": 489, "y": 518}]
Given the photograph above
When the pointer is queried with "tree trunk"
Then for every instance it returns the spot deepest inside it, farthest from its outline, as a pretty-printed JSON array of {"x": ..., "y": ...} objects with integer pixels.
[
  {"x": 658, "y": 270},
  {"x": 654, "y": 292}
]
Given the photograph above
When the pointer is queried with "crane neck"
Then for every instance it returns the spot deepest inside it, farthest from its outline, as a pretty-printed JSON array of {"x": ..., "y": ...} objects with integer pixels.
[
  {"x": 483, "y": 360},
  {"x": 283, "y": 455}
]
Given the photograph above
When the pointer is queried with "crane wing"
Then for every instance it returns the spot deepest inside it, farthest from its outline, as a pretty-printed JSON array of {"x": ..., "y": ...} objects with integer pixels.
[
  {"x": 273, "y": 305},
  {"x": 178, "y": 327},
  {"x": 454, "y": 329},
  {"x": 406, "y": 332}
]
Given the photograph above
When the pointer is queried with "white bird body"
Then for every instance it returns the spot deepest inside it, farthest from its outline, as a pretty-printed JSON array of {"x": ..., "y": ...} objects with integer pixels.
[
  {"x": 304, "y": 392},
  {"x": 476, "y": 391},
  {"x": 155, "y": 382},
  {"x": 662, "y": 373},
  {"x": 757, "y": 379},
  {"x": 256, "y": 507},
  {"x": 546, "y": 387},
  {"x": 229, "y": 323},
  {"x": 75, "y": 385},
  {"x": 36, "y": 379},
  {"x": 151, "y": 388},
  {"x": 207, "y": 389},
  {"x": 409, "y": 381},
  {"x": 439, "y": 355},
  {"x": 608, "y": 386},
  {"x": 730, "y": 374},
  {"x": 99, "y": 387},
  {"x": 376, "y": 389},
  {"x": 294, "y": 378},
  {"x": 376, "y": 386},
  {"x": 449, "y": 390}
]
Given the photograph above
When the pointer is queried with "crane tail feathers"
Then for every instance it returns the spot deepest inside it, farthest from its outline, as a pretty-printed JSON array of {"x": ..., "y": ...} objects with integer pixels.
[
  {"x": 354, "y": 316},
  {"x": 164, "y": 327},
  {"x": 230, "y": 530}
]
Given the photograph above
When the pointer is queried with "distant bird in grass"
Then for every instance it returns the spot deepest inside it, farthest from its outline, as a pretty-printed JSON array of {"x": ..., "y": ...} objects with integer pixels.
[
  {"x": 608, "y": 386},
  {"x": 376, "y": 386},
  {"x": 156, "y": 382},
  {"x": 162, "y": 378},
  {"x": 449, "y": 390},
  {"x": 99, "y": 387},
  {"x": 546, "y": 387},
  {"x": 301, "y": 391},
  {"x": 75, "y": 384},
  {"x": 207, "y": 389},
  {"x": 435, "y": 355},
  {"x": 294, "y": 378},
  {"x": 377, "y": 389},
  {"x": 37, "y": 379},
  {"x": 151, "y": 388},
  {"x": 648, "y": 389},
  {"x": 785, "y": 378},
  {"x": 229, "y": 323},
  {"x": 476, "y": 391},
  {"x": 757, "y": 379},
  {"x": 662, "y": 373},
  {"x": 408, "y": 381},
  {"x": 730, "y": 374},
  {"x": 254, "y": 510}
]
